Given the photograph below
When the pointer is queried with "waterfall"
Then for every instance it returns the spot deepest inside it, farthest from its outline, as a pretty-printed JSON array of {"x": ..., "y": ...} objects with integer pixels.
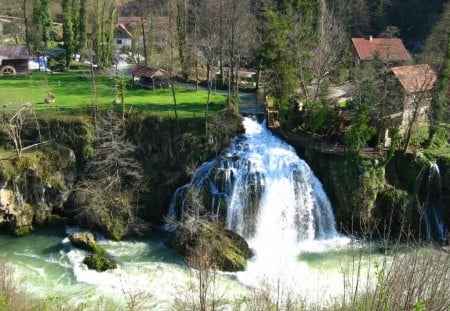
[
  {"x": 263, "y": 190},
  {"x": 434, "y": 224}
]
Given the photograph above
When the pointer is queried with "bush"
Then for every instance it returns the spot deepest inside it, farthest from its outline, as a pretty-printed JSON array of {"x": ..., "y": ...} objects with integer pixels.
[
  {"x": 11, "y": 297},
  {"x": 74, "y": 65}
]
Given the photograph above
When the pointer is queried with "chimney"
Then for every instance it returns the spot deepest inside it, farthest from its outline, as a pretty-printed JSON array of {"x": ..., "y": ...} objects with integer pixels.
[{"x": 370, "y": 38}]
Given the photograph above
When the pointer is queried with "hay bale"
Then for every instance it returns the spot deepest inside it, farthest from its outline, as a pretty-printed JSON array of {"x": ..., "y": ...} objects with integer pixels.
[{"x": 50, "y": 98}]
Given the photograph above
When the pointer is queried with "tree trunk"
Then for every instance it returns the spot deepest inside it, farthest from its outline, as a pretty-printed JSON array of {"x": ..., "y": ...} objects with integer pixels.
[{"x": 144, "y": 38}]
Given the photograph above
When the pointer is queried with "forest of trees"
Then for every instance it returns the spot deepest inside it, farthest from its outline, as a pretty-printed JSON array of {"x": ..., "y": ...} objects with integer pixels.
[{"x": 299, "y": 48}]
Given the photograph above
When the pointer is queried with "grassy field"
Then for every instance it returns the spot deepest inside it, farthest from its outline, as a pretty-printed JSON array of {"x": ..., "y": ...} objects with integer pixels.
[{"x": 73, "y": 93}]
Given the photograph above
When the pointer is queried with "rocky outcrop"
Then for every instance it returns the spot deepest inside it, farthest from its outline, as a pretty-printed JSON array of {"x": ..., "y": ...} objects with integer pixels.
[
  {"x": 83, "y": 240},
  {"x": 366, "y": 192},
  {"x": 34, "y": 186},
  {"x": 98, "y": 259},
  {"x": 211, "y": 242},
  {"x": 352, "y": 184}
]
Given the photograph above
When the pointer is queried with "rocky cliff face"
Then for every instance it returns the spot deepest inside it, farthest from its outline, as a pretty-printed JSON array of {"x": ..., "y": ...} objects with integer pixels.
[
  {"x": 38, "y": 185},
  {"x": 34, "y": 186},
  {"x": 352, "y": 185},
  {"x": 444, "y": 166},
  {"x": 366, "y": 192}
]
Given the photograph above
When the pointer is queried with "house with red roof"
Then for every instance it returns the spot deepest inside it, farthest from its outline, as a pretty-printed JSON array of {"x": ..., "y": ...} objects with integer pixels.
[
  {"x": 384, "y": 49},
  {"x": 122, "y": 37},
  {"x": 413, "y": 87}
]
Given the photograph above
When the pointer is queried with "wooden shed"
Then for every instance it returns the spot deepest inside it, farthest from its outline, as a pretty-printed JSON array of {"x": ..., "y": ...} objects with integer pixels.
[
  {"x": 150, "y": 77},
  {"x": 14, "y": 59}
]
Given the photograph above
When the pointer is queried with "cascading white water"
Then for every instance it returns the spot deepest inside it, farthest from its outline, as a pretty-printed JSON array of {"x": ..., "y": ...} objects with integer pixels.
[
  {"x": 272, "y": 199},
  {"x": 267, "y": 189},
  {"x": 292, "y": 204},
  {"x": 434, "y": 224}
]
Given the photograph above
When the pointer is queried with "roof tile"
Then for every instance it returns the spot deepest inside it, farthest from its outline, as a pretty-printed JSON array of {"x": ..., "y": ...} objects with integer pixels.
[
  {"x": 416, "y": 78},
  {"x": 386, "y": 49}
]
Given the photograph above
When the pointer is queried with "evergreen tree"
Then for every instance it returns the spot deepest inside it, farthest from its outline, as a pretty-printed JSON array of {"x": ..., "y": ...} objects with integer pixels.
[
  {"x": 289, "y": 37},
  {"x": 276, "y": 58},
  {"x": 440, "y": 99},
  {"x": 82, "y": 27},
  {"x": 361, "y": 19},
  {"x": 45, "y": 19},
  {"x": 75, "y": 9},
  {"x": 68, "y": 35},
  {"x": 41, "y": 24}
]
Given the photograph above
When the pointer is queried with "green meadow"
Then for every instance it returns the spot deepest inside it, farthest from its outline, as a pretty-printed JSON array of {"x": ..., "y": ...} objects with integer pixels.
[{"x": 73, "y": 93}]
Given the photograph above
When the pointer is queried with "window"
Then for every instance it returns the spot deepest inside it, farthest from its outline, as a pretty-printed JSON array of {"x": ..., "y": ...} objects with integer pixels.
[{"x": 119, "y": 41}]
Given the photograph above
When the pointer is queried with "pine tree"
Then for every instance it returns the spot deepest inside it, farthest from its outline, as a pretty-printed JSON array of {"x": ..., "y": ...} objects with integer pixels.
[
  {"x": 45, "y": 19},
  {"x": 440, "y": 100},
  {"x": 288, "y": 39},
  {"x": 82, "y": 27},
  {"x": 68, "y": 35}
]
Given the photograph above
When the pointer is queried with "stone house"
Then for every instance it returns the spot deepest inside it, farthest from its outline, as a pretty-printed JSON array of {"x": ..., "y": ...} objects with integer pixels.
[{"x": 413, "y": 87}]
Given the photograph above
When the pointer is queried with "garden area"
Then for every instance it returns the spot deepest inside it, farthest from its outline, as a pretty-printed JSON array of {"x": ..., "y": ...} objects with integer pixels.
[{"x": 73, "y": 93}]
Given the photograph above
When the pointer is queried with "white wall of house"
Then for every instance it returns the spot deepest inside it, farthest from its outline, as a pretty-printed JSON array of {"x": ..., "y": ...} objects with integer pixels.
[{"x": 119, "y": 43}]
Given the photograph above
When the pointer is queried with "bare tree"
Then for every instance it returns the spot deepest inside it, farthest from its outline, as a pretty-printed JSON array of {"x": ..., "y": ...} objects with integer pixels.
[
  {"x": 144, "y": 34},
  {"x": 237, "y": 24},
  {"x": 14, "y": 122},
  {"x": 208, "y": 43},
  {"x": 172, "y": 35},
  {"x": 107, "y": 196},
  {"x": 11, "y": 296},
  {"x": 203, "y": 291},
  {"x": 331, "y": 40},
  {"x": 136, "y": 297}
]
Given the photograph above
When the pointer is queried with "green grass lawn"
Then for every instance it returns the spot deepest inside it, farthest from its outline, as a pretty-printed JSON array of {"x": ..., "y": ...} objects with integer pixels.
[{"x": 73, "y": 93}]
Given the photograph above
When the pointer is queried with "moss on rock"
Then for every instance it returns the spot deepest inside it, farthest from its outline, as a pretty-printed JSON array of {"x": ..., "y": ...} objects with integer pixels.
[
  {"x": 99, "y": 262},
  {"x": 99, "y": 259},
  {"x": 229, "y": 250}
]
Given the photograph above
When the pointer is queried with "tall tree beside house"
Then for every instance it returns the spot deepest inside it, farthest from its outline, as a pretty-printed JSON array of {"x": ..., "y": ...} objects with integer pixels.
[
  {"x": 436, "y": 44},
  {"x": 170, "y": 50},
  {"x": 26, "y": 21},
  {"x": 281, "y": 76},
  {"x": 237, "y": 24},
  {"x": 327, "y": 51},
  {"x": 207, "y": 41},
  {"x": 143, "y": 33},
  {"x": 41, "y": 24},
  {"x": 68, "y": 34},
  {"x": 289, "y": 38},
  {"x": 380, "y": 18},
  {"x": 75, "y": 8},
  {"x": 46, "y": 21},
  {"x": 361, "y": 18},
  {"x": 82, "y": 27},
  {"x": 105, "y": 17},
  {"x": 439, "y": 103},
  {"x": 181, "y": 28},
  {"x": 109, "y": 38}
]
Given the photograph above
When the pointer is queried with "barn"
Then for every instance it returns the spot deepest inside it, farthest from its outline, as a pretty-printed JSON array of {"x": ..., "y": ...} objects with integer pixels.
[
  {"x": 150, "y": 77},
  {"x": 14, "y": 59}
]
